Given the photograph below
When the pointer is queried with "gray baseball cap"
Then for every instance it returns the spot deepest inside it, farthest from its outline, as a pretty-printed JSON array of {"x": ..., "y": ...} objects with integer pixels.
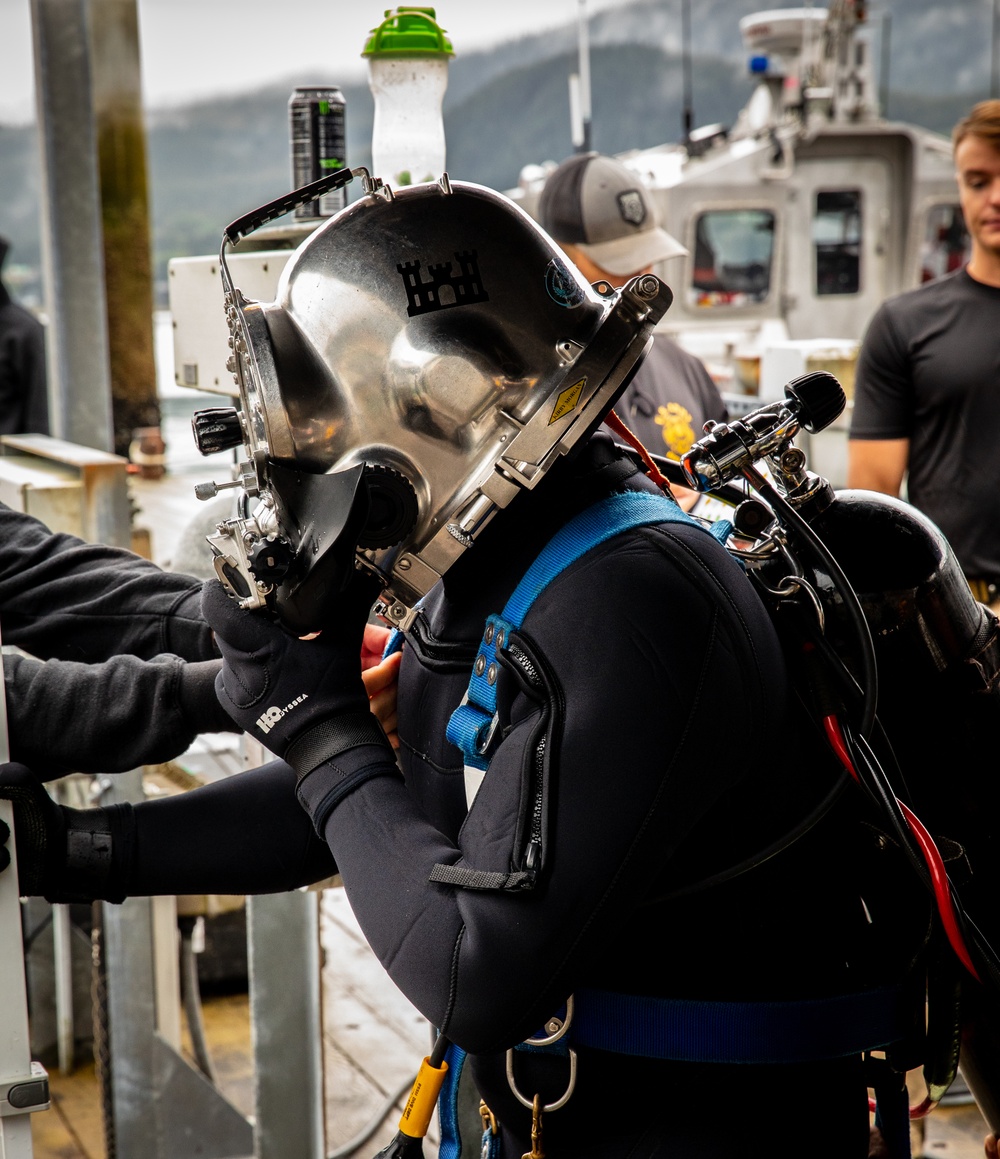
[{"x": 595, "y": 203}]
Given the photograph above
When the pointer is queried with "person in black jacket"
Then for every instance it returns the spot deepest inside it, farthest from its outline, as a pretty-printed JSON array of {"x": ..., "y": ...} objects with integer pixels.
[
  {"x": 121, "y": 665},
  {"x": 24, "y": 405}
]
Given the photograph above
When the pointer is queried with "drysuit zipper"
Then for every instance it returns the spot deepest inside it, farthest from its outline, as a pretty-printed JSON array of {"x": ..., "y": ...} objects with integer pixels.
[
  {"x": 533, "y": 851},
  {"x": 533, "y": 848},
  {"x": 531, "y": 673}
]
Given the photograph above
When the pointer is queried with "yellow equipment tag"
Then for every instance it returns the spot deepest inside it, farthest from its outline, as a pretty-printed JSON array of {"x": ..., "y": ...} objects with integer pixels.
[{"x": 567, "y": 400}]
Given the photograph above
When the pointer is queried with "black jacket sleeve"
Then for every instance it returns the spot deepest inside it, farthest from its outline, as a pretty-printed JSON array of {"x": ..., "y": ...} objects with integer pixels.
[
  {"x": 66, "y": 599},
  {"x": 640, "y": 636},
  {"x": 90, "y": 718}
]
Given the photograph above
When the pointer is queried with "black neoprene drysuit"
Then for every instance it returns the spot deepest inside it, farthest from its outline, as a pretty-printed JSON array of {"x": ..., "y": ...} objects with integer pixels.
[
  {"x": 121, "y": 665},
  {"x": 670, "y": 751}
]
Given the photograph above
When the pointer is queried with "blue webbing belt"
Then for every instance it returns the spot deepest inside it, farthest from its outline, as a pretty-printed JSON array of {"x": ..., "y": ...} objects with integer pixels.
[
  {"x": 749, "y": 1033},
  {"x": 726, "y": 1033}
]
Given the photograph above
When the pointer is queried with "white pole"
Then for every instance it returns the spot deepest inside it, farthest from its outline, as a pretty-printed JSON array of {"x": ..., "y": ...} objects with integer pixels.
[
  {"x": 20, "y": 1084},
  {"x": 584, "y": 72},
  {"x": 576, "y": 129},
  {"x": 15, "y": 1053}
]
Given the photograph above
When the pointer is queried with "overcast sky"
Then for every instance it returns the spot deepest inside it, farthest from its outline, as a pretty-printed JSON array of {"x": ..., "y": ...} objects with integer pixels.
[{"x": 197, "y": 48}]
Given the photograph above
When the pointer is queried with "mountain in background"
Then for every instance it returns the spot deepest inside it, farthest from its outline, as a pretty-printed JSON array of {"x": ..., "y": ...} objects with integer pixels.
[{"x": 211, "y": 161}]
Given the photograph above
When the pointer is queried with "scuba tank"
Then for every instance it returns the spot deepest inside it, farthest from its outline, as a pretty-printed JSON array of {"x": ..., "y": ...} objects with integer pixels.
[{"x": 903, "y": 667}]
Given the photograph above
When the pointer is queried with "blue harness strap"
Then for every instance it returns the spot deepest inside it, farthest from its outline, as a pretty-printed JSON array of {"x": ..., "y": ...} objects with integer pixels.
[
  {"x": 451, "y": 1134},
  {"x": 751, "y": 1033},
  {"x": 472, "y": 723}
]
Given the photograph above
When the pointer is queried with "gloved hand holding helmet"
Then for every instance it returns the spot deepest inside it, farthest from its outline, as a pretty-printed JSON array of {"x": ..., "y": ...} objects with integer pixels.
[
  {"x": 383, "y": 426},
  {"x": 303, "y": 699}
]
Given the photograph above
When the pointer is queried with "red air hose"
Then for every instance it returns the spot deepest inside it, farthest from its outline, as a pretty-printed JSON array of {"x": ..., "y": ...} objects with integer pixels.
[
  {"x": 935, "y": 864},
  {"x": 621, "y": 430},
  {"x": 939, "y": 880}
]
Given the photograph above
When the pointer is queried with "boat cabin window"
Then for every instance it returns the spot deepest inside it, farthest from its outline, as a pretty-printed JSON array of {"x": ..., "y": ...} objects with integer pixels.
[
  {"x": 733, "y": 249},
  {"x": 945, "y": 246},
  {"x": 836, "y": 231}
]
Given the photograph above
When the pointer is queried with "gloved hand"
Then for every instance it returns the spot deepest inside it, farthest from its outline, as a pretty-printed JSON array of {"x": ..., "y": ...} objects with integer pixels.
[
  {"x": 304, "y": 699},
  {"x": 63, "y": 854},
  {"x": 39, "y": 826}
]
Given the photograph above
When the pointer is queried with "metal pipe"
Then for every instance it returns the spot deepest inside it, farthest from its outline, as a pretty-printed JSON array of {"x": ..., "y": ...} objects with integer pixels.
[
  {"x": 15, "y": 1052},
  {"x": 63, "y": 965},
  {"x": 77, "y": 332},
  {"x": 688, "y": 99}
]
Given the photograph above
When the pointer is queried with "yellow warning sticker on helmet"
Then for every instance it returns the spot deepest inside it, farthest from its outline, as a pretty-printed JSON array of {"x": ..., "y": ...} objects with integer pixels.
[{"x": 567, "y": 400}]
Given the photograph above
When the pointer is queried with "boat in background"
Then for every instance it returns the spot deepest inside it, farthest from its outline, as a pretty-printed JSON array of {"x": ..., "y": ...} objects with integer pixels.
[{"x": 809, "y": 211}]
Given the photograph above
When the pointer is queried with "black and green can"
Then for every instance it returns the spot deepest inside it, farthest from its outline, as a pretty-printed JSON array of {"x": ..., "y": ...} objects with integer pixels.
[{"x": 319, "y": 145}]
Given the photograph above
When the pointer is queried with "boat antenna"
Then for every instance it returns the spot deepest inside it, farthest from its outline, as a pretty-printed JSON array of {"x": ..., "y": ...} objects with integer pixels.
[
  {"x": 883, "y": 77},
  {"x": 994, "y": 33},
  {"x": 579, "y": 86},
  {"x": 688, "y": 113}
]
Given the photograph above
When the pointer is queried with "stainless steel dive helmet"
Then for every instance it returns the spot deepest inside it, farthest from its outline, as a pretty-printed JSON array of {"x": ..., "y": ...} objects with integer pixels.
[{"x": 430, "y": 354}]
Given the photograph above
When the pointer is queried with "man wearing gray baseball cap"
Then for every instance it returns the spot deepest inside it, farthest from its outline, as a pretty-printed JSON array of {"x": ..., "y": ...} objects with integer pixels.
[{"x": 604, "y": 219}]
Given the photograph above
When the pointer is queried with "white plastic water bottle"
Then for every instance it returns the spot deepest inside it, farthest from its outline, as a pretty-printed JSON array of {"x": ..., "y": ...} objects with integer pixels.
[{"x": 408, "y": 74}]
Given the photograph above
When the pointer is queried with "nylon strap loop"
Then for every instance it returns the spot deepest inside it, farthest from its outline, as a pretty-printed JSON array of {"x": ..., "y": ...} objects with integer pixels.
[{"x": 478, "y": 878}]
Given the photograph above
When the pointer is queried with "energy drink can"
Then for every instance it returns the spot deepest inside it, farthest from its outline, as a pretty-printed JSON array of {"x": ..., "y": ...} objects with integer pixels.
[{"x": 316, "y": 128}]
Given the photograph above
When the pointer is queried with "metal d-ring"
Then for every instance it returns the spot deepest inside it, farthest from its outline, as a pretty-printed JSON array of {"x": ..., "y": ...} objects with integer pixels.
[
  {"x": 564, "y": 1025},
  {"x": 529, "y": 1103}
]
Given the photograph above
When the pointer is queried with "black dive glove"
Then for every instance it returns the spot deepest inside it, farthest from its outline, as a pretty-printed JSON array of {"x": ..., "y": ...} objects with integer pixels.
[
  {"x": 64, "y": 854},
  {"x": 303, "y": 699}
]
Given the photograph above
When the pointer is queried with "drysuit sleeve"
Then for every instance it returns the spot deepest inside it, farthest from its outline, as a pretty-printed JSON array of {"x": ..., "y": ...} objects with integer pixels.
[
  {"x": 65, "y": 717},
  {"x": 641, "y": 640},
  {"x": 66, "y": 599}
]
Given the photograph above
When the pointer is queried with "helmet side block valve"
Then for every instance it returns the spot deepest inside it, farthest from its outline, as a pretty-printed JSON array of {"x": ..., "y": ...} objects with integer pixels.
[
  {"x": 219, "y": 428},
  {"x": 210, "y": 490},
  {"x": 235, "y": 545}
]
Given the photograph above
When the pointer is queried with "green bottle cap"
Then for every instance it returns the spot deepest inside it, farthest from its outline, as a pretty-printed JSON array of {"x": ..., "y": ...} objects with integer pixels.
[{"x": 408, "y": 32}]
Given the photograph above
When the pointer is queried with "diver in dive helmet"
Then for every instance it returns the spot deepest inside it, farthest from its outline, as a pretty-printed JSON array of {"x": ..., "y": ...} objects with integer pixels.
[
  {"x": 577, "y": 824},
  {"x": 430, "y": 354}
]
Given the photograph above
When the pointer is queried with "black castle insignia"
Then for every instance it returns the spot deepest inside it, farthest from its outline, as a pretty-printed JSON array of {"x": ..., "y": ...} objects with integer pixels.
[{"x": 459, "y": 289}]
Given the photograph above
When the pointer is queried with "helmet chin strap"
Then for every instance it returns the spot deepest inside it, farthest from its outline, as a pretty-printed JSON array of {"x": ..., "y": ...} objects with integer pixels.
[{"x": 615, "y": 423}]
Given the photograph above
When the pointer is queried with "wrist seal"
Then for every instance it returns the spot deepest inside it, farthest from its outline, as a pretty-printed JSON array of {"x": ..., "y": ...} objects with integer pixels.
[
  {"x": 332, "y": 737},
  {"x": 334, "y": 758}
]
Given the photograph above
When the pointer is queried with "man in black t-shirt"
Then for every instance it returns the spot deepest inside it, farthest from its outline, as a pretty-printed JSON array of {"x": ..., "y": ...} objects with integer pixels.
[
  {"x": 602, "y": 216},
  {"x": 927, "y": 394}
]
